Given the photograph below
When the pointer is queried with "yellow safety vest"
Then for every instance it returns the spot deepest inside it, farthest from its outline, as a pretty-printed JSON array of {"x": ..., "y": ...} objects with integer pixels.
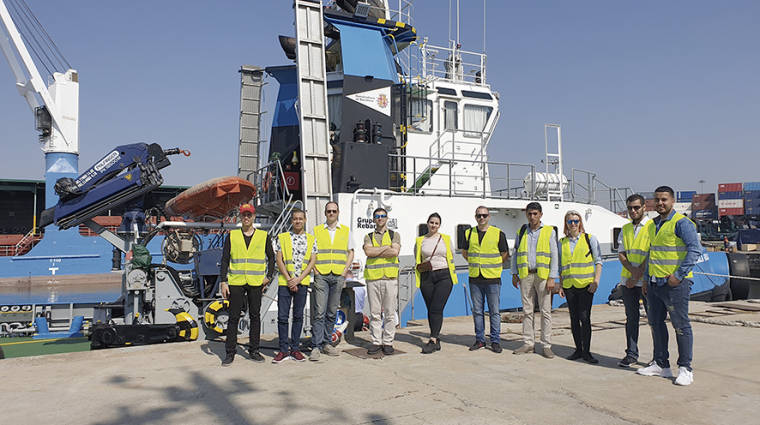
[
  {"x": 381, "y": 268},
  {"x": 286, "y": 247},
  {"x": 667, "y": 251},
  {"x": 636, "y": 246},
  {"x": 248, "y": 266},
  {"x": 543, "y": 254},
  {"x": 484, "y": 257},
  {"x": 577, "y": 267},
  {"x": 449, "y": 258},
  {"x": 332, "y": 255}
]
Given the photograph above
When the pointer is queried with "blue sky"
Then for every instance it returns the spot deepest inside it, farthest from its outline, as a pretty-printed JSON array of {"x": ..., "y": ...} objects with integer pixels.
[{"x": 647, "y": 92}]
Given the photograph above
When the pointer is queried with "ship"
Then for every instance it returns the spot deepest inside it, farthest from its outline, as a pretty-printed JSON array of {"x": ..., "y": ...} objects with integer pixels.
[{"x": 368, "y": 114}]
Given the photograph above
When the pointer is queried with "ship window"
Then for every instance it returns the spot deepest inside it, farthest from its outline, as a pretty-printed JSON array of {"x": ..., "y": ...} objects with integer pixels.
[
  {"x": 450, "y": 115},
  {"x": 462, "y": 242},
  {"x": 475, "y": 119},
  {"x": 448, "y": 91},
  {"x": 422, "y": 115},
  {"x": 335, "y": 109},
  {"x": 476, "y": 94}
]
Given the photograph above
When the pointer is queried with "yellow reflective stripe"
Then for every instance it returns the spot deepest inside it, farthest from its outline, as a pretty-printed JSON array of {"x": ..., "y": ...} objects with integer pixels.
[{"x": 247, "y": 272}]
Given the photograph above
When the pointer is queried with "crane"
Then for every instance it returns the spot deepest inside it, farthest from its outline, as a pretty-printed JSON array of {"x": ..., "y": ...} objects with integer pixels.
[{"x": 55, "y": 106}]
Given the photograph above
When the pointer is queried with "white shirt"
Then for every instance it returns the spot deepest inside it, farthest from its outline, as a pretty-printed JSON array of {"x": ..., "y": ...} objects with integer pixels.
[
  {"x": 332, "y": 235},
  {"x": 621, "y": 246}
]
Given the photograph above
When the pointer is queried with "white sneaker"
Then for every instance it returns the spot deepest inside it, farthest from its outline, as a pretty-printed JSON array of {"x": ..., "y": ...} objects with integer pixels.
[
  {"x": 655, "y": 370},
  {"x": 685, "y": 376}
]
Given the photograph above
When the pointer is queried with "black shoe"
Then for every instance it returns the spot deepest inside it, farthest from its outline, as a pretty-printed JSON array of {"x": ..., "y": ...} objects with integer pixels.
[
  {"x": 388, "y": 350},
  {"x": 256, "y": 356},
  {"x": 438, "y": 345},
  {"x": 575, "y": 356},
  {"x": 228, "y": 360},
  {"x": 589, "y": 358},
  {"x": 428, "y": 348},
  {"x": 477, "y": 346},
  {"x": 627, "y": 361},
  {"x": 496, "y": 347},
  {"x": 374, "y": 349}
]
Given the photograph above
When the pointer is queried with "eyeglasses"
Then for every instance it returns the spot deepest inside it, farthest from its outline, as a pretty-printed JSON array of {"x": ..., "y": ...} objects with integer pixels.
[
  {"x": 331, "y": 211},
  {"x": 573, "y": 221},
  {"x": 481, "y": 215},
  {"x": 634, "y": 207},
  {"x": 380, "y": 216}
]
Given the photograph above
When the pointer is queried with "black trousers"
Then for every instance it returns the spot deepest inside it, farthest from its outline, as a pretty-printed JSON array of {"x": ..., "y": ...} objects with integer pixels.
[
  {"x": 435, "y": 287},
  {"x": 579, "y": 301},
  {"x": 238, "y": 297}
]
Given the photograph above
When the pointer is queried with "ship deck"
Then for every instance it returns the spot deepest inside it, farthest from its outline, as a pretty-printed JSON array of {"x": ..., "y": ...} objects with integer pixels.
[{"x": 183, "y": 382}]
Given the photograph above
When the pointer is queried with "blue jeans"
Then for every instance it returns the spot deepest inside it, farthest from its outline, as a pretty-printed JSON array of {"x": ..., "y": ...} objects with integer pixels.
[
  {"x": 631, "y": 297},
  {"x": 672, "y": 300},
  {"x": 284, "y": 300},
  {"x": 480, "y": 293},
  {"x": 325, "y": 291}
]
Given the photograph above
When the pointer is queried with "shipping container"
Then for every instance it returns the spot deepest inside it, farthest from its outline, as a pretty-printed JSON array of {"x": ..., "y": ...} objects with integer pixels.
[
  {"x": 752, "y": 194},
  {"x": 703, "y": 197},
  {"x": 649, "y": 205},
  {"x": 729, "y": 187},
  {"x": 705, "y": 214},
  {"x": 752, "y": 203},
  {"x": 753, "y": 186},
  {"x": 685, "y": 196},
  {"x": 752, "y": 210},
  {"x": 731, "y": 195},
  {"x": 730, "y": 211},
  {"x": 647, "y": 195},
  {"x": 682, "y": 208},
  {"x": 730, "y": 203}
]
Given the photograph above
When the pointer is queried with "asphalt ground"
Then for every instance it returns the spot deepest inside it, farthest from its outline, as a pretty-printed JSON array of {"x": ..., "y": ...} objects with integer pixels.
[{"x": 183, "y": 383}]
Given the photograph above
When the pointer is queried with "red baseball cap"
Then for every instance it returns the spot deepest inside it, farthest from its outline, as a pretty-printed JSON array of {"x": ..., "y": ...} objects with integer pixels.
[{"x": 247, "y": 208}]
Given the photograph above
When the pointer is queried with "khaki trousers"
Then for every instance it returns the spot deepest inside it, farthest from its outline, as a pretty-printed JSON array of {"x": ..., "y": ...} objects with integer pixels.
[
  {"x": 530, "y": 288},
  {"x": 382, "y": 295}
]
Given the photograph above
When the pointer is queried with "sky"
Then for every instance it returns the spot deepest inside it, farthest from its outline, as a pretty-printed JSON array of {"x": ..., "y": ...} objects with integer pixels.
[{"x": 647, "y": 92}]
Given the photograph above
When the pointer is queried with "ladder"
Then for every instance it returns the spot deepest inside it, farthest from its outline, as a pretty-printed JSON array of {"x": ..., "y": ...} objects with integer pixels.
[
  {"x": 553, "y": 164},
  {"x": 251, "y": 82},
  {"x": 312, "y": 104}
]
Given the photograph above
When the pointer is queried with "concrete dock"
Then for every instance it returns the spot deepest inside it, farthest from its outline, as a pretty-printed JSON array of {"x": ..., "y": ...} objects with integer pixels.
[{"x": 183, "y": 383}]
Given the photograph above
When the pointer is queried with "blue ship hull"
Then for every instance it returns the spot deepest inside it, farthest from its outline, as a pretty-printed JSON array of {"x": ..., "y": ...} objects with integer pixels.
[{"x": 459, "y": 301}]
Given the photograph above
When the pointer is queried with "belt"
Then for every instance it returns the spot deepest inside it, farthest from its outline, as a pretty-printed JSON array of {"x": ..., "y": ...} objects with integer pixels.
[{"x": 533, "y": 270}]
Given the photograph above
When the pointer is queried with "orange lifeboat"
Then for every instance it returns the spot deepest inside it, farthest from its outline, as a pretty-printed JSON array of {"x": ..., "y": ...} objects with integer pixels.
[{"x": 212, "y": 198}]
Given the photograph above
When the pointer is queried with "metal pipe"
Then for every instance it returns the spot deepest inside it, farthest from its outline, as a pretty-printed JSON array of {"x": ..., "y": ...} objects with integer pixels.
[{"x": 182, "y": 224}]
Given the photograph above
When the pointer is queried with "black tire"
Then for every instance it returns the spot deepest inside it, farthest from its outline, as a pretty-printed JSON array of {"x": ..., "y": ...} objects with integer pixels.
[{"x": 738, "y": 265}]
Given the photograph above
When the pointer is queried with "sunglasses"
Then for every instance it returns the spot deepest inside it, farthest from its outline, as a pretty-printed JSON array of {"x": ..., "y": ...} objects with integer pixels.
[
  {"x": 380, "y": 216},
  {"x": 481, "y": 215},
  {"x": 331, "y": 211},
  {"x": 634, "y": 207},
  {"x": 573, "y": 221}
]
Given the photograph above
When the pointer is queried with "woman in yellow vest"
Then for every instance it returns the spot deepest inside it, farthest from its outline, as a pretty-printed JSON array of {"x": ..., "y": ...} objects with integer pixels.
[
  {"x": 580, "y": 271},
  {"x": 435, "y": 276}
]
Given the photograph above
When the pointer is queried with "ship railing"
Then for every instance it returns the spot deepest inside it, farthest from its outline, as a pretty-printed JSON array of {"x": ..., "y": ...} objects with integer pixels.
[
  {"x": 460, "y": 144},
  {"x": 448, "y": 63},
  {"x": 26, "y": 243},
  {"x": 456, "y": 177},
  {"x": 271, "y": 184},
  {"x": 585, "y": 186}
]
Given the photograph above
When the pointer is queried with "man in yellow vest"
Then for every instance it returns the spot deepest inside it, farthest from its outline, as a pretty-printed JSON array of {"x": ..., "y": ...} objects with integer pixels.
[
  {"x": 633, "y": 249},
  {"x": 381, "y": 274},
  {"x": 246, "y": 269},
  {"x": 336, "y": 252},
  {"x": 673, "y": 252},
  {"x": 487, "y": 250},
  {"x": 296, "y": 256},
  {"x": 534, "y": 270}
]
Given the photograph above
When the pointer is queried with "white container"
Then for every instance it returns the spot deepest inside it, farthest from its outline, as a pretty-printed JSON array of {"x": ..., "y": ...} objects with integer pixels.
[
  {"x": 545, "y": 182},
  {"x": 683, "y": 208},
  {"x": 730, "y": 203}
]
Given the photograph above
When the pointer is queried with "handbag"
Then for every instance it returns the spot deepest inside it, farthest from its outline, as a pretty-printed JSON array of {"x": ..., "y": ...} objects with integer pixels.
[{"x": 426, "y": 266}]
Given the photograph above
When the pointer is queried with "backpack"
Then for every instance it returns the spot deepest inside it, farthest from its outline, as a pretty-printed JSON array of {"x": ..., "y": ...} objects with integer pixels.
[
  {"x": 391, "y": 233},
  {"x": 522, "y": 232}
]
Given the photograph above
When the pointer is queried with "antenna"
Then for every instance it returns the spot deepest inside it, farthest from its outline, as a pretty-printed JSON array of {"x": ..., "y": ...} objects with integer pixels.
[
  {"x": 457, "y": 22},
  {"x": 484, "y": 26},
  {"x": 449, "y": 21}
]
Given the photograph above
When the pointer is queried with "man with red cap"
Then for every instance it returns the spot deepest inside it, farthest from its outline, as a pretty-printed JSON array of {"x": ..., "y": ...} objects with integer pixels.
[{"x": 247, "y": 268}]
